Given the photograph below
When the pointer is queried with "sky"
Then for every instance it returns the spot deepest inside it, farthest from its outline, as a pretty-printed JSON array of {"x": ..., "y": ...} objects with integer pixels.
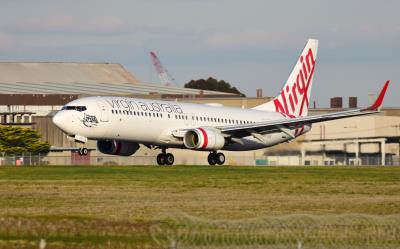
[{"x": 250, "y": 44}]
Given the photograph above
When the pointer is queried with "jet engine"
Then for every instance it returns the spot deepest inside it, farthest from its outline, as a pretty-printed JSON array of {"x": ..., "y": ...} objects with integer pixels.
[
  {"x": 204, "y": 139},
  {"x": 120, "y": 148}
]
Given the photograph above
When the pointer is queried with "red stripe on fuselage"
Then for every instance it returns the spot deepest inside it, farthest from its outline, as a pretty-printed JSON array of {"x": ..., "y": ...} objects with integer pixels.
[{"x": 205, "y": 142}]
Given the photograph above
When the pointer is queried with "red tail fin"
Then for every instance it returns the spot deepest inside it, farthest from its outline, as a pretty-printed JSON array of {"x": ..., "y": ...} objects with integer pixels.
[{"x": 293, "y": 99}]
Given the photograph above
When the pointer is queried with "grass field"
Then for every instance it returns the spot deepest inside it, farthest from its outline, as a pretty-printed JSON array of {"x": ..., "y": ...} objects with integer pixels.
[{"x": 128, "y": 207}]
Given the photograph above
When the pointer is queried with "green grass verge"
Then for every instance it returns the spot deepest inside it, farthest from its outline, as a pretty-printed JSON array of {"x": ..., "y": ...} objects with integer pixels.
[{"x": 120, "y": 207}]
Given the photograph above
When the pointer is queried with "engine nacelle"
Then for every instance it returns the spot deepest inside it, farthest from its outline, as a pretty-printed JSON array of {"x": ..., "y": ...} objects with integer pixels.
[
  {"x": 120, "y": 148},
  {"x": 203, "y": 139}
]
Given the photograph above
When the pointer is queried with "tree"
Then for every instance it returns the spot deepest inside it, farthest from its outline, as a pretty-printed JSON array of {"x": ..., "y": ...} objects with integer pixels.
[
  {"x": 213, "y": 85},
  {"x": 18, "y": 140}
]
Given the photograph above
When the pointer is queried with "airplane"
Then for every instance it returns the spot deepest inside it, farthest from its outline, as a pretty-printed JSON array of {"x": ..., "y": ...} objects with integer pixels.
[
  {"x": 163, "y": 74},
  {"x": 121, "y": 124}
]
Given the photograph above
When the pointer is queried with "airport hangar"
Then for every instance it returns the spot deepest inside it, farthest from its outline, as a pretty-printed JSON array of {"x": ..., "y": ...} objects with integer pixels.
[{"x": 31, "y": 92}]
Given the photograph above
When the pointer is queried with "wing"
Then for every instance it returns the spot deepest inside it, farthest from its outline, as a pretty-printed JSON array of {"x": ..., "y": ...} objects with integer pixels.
[{"x": 287, "y": 124}]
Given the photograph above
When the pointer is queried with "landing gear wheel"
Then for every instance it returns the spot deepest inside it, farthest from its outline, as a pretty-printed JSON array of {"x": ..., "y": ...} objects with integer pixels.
[
  {"x": 212, "y": 160},
  {"x": 169, "y": 159},
  {"x": 83, "y": 151},
  {"x": 160, "y": 159},
  {"x": 220, "y": 158}
]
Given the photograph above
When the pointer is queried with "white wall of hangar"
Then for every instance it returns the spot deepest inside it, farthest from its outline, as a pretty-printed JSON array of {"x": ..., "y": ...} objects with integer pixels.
[
  {"x": 344, "y": 141},
  {"x": 357, "y": 142}
]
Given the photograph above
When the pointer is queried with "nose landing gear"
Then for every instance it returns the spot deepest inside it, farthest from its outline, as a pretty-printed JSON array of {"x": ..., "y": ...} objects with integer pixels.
[
  {"x": 165, "y": 158},
  {"x": 216, "y": 158},
  {"x": 83, "y": 151}
]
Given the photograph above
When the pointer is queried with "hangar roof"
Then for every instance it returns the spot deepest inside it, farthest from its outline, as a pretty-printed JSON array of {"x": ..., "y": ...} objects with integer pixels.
[
  {"x": 64, "y": 72},
  {"x": 100, "y": 89},
  {"x": 74, "y": 78}
]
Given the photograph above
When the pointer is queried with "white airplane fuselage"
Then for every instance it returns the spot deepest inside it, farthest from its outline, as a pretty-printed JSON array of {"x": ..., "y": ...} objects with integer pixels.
[{"x": 154, "y": 122}]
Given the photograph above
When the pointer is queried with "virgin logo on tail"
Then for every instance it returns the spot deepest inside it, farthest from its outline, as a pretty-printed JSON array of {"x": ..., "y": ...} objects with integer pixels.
[{"x": 296, "y": 94}]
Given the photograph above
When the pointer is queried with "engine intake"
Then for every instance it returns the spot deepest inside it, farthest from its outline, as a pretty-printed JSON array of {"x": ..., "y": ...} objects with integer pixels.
[
  {"x": 120, "y": 148},
  {"x": 203, "y": 139}
]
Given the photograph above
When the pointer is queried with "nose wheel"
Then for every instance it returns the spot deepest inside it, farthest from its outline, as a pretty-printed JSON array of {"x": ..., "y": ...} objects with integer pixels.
[
  {"x": 216, "y": 158},
  {"x": 83, "y": 151},
  {"x": 165, "y": 158}
]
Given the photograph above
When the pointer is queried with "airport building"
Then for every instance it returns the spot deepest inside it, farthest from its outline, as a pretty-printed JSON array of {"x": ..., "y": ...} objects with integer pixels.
[{"x": 32, "y": 92}]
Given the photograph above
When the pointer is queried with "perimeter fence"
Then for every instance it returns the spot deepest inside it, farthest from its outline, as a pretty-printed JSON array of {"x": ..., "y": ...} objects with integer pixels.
[
  {"x": 181, "y": 231},
  {"x": 231, "y": 159},
  {"x": 291, "y": 231}
]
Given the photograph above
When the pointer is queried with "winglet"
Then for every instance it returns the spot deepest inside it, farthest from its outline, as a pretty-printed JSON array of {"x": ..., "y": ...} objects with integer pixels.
[{"x": 378, "y": 102}]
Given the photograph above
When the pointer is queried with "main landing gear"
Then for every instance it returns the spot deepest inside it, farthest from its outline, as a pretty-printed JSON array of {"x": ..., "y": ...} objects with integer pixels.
[
  {"x": 165, "y": 158},
  {"x": 216, "y": 158}
]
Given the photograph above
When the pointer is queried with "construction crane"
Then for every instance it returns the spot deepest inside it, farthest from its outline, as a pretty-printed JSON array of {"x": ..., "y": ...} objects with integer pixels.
[{"x": 163, "y": 74}]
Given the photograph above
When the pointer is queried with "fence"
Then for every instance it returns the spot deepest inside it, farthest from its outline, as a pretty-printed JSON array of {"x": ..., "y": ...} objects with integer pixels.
[
  {"x": 180, "y": 231},
  {"x": 290, "y": 231},
  {"x": 231, "y": 159}
]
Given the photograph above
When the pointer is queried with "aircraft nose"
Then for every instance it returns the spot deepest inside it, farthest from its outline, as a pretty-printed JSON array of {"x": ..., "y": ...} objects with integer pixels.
[{"x": 59, "y": 119}]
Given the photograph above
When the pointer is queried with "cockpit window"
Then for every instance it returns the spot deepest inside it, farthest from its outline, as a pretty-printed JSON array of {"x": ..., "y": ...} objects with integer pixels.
[{"x": 76, "y": 108}]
